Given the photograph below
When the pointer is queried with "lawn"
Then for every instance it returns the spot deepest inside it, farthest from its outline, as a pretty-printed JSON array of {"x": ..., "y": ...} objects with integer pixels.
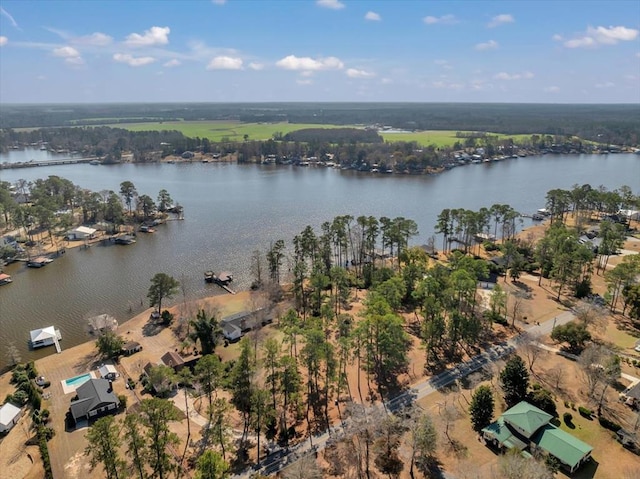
[
  {"x": 217, "y": 130},
  {"x": 235, "y": 131}
]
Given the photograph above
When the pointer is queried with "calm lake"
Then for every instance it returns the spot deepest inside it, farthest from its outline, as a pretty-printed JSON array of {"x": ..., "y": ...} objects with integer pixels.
[{"x": 232, "y": 210}]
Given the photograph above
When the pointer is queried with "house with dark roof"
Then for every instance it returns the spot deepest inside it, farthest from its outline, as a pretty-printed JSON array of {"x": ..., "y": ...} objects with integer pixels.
[
  {"x": 526, "y": 428},
  {"x": 173, "y": 360},
  {"x": 95, "y": 398}
]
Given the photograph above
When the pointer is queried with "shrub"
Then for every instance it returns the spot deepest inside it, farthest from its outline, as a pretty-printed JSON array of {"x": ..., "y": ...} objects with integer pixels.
[
  {"x": 567, "y": 404},
  {"x": 585, "y": 412},
  {"x": 607, "y": 424},
  {"x": 123, "y": 401},
  {"x": 567, "y": 417},
  {"x": 543, "y": 399}
]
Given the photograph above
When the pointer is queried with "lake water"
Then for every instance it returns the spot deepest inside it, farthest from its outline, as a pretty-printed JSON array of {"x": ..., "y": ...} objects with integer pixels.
[{"x": 232, "y": 210}]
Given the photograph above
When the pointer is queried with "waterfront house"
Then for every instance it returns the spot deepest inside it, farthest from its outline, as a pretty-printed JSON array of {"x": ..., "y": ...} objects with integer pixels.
[
  {"x": 9, "y": 416},
  {"x": 44, "y": 337},
  {"x": 81, "y": 233},
  {"x": 526, "y": 428},
  {"x": 95, "y": 398}
]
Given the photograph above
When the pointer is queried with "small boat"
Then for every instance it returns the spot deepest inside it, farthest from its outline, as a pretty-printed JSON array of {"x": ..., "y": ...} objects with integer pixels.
[
  {"x": 39, "y": 262},
  {"x": 95, "y": 162},
  {"x": 208, "y": 276},
  {"x": 146, "y": 229},
  {"x": 5, "y": 279},
  {"x": 537, "y": 217},
  {"x": 125, "y": 240}
]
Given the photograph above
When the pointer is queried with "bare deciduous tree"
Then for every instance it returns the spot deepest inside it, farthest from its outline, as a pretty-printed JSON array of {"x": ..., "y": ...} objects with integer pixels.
[{"x": 530, "y": 348}]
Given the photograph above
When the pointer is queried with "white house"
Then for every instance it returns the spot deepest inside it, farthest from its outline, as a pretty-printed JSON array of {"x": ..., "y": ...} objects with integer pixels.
[
  {"x": 81, "y": 233},
  {"x": 9, "y": 416}
]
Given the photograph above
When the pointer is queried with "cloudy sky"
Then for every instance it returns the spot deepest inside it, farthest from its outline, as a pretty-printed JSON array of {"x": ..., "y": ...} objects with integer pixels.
[{"x": 320, "y": 50}]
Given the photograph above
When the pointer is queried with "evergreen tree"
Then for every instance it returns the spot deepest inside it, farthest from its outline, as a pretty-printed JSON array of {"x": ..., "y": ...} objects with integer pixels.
[
  {"x": 103, "y": 443},
  {"x": 514, "y": 379},
  {"x": 481, "y": 408}
]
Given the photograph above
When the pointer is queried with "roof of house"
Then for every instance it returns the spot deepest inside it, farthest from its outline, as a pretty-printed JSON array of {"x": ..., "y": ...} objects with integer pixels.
[
  {"x": 85, "y": 230},
  {"x": 505, "y": 435},
  {"x": 107, "y": 369},
  {"x": 633, "y": 392},
  {"x": 93, "y": 394},
  {"x": 527, "y": 417},
  {"x": 8, "y": 413},
  {"x": 562, "y": 445},
  {"x": 131, "y": 345},
  {"x": 41, "y": 334},
  {"x": 172, "y": 359}
]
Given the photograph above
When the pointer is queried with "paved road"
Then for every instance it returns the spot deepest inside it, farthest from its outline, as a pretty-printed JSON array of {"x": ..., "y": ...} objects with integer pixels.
[{"x": 281, "y": 459}]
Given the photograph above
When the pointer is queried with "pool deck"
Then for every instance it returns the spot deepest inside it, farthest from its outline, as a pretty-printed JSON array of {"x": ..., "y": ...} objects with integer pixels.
[{"x": 68, "y": 389}]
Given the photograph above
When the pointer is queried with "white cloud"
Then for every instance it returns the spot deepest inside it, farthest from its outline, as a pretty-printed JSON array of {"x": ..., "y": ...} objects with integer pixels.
[
  {"x": 256, "y": 66},
  {"x": 600, "y": 36},
  {"x": 513, "y": 76},
  {"x": 3, "y": 40},
  {"x": 219, "y": 2},
  {"x": 9, "y": 17},
  {"x": 386, "y": 81},
  {"x": 447, "y": 85},
  {"x": 153, "y": 36},
  {"x": 225, "y": 63},
  {"x": 372, "y": 16},
  {"x": 293, "y": 62},
  {"x": 133, "y": 61},
  {"x": 70, "y": 55},
  {"x": 97, "y": 39},
  {"x": 354, "y": 73},
  {"x": 638, "y": 55},
  {"x": 501, "y": 20},
  {"x": 303, "y": 81},
  {"x": 607, "y": 84},
  {"x": 557, "y": 38},
  {"x": 552, "y": 89},
  {"x": 443, "y": 20},
  {"x": 332, "y": 4},
  {"x": 174, "y": 62},
  {"x": 444, "y": 64},
  {"x": 490, "y": 45}
]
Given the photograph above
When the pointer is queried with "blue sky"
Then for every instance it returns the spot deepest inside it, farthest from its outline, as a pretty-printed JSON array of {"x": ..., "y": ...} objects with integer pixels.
[{"x": 319, "y": 50}]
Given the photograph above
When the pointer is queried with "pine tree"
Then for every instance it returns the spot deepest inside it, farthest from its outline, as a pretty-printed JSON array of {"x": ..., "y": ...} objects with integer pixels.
[
  {"x": 481, "y": 408},
  {"x": 514, "y": 379}
]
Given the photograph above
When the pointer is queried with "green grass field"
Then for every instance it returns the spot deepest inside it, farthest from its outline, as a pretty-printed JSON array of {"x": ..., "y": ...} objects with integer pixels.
[
  {"x": 235, "y": 131},
  {"x": 216, "y": 131}
]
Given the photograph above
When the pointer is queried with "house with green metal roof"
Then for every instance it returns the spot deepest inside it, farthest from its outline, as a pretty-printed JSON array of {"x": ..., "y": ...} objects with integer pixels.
[{"x": 525, "y": 427}]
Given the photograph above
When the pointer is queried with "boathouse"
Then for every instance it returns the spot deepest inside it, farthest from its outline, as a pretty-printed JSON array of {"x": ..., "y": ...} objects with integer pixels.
[{"x": 45, "y": 337}]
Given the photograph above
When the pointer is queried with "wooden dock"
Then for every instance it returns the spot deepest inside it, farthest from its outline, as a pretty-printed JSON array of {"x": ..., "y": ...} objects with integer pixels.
[
  {"x": 31, "y": 164},
  {"x": 226, "y": 288}
]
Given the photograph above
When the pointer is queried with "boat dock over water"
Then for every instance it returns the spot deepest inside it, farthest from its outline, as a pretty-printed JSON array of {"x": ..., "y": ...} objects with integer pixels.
[
  {"x": 221, "y": 279},
  {"x": 65, "y": 161}
]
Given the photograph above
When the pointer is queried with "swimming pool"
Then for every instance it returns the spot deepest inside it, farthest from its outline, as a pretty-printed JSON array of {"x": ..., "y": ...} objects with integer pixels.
[{"x": 78, "y": 380}]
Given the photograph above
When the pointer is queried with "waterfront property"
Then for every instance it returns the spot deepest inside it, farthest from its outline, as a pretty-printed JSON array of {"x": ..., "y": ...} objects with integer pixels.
[
  {"x": 524, "y": 427},
  {"x": 81, "y": 233},
  {"x": 9, "y": 416},
  {"x": 95, "y": 398},
  {"x": 39, "y": 262},
  {"x": 45, "y": 337}
]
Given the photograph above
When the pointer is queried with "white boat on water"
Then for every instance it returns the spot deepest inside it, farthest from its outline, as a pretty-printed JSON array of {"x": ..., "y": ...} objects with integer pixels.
[{"x": 5, "y": 279}]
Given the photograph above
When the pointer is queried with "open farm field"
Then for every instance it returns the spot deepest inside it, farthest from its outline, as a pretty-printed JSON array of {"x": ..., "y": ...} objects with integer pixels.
[
  {"x": 217, "y": 130},
  {"x": 235, "y": 131},
  {"x": 440, "y": 138}
]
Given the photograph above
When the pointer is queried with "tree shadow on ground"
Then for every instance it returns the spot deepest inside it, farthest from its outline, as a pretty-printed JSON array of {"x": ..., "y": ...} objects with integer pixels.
[
  {"x": 88, "y": 362},
  {"x": 151, "y": 328}
]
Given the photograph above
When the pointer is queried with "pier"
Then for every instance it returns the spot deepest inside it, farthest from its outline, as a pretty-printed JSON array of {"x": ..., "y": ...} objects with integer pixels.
[{"x": 64, "y": 161}]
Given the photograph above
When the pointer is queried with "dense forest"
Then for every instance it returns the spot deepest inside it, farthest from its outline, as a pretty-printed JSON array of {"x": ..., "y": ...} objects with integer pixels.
[{"x": 617, "y": 124}]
